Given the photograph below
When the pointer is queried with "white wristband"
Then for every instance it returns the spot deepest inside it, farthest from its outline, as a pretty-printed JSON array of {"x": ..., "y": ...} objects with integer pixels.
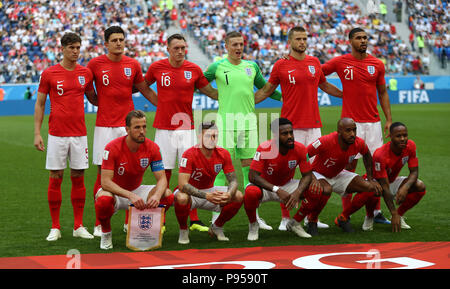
[{"x": 275, "y": 189}]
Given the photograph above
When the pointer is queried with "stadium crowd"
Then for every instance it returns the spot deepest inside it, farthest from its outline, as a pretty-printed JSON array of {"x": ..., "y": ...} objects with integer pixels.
[
  {"x": 429, "y": 28},
  {"x": 265, "y": 25},
  {"x": 30, "y": 30}
]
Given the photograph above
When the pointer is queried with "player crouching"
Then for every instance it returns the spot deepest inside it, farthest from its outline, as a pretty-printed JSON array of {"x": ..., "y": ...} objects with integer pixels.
[
  {"x": 199, "y": 167},
  {"x": 271, "y": 173},
  {"x": 125, "y": 161}
]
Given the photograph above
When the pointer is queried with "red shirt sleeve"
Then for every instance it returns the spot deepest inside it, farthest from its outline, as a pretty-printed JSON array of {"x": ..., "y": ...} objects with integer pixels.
[
  {"x": 139, "y": 77},
  {"x": 90, "y": 81},
  {"x": 379, "y": 166},
  {"x": 257, "y": 163},
  {"x": 413, "y": 161},
  {"x": 322, "y": 78},
  {"x": 380, "y": 78},
  {"x": 274, "y": 77},
  {"x": 149, "y": 75},
  {"x": 108, "y": 158},
  {"x": 186, "y": 163},
  {"x": 315, "y": 147},
  {"x": 304, "y": 164},
  {"x": 329, "y": 67},
  {"x": 228, "y": 163},
  {"x": 44, "y": 83},
  {"x": 201, "y": 81}
]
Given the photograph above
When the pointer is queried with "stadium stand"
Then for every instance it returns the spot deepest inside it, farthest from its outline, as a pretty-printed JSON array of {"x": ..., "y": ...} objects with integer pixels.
[{"x": 30, "y": 30}]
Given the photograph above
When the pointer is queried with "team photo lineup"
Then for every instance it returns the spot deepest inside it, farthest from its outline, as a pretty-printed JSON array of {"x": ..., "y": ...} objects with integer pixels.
[{"x": 225, "y": 161}]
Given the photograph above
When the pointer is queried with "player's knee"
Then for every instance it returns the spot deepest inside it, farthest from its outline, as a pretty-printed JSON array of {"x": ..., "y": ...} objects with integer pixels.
[
  {"x": 58, "y": 174},
  {"x": 181, "y": 198},
  {"x": 252, "y": 193},
  {"x": 327, "y": 189},
  {"x": 238, "y": 197},
  {"x": 420, "y": 186}
]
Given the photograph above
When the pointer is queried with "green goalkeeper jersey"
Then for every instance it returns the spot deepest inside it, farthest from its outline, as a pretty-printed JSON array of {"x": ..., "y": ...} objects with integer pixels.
[{"x": 235, "y": 84}]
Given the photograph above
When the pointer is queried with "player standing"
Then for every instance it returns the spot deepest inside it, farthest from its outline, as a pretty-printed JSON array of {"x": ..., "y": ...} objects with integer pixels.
[
  {"x": 199, "y": 167},
  {"x": 115, "y": 75},
  {"x": 299, "y": 76},
  {"x": 66, "y": 84},
  {"x": 271, "y": 177},
  {"x": 176, "y": 79},
  {"x": 125, "y": 160},
  {"x": 236, "y": 79},
  {"x": 362, "y": 77}
]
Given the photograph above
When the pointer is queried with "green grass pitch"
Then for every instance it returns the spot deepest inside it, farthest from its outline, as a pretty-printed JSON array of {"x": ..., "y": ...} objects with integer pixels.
[{"x": 25, "y": 219}]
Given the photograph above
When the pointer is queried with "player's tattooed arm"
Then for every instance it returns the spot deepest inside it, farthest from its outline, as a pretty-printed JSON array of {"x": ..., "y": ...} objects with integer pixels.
[
  {"x": 193, "y": 191},
  {"x": 232, "y": 183}
]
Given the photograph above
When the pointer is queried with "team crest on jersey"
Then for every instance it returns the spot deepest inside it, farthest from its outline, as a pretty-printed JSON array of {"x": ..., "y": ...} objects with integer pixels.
[
  {"x": 217, "y": 168},
  {"x": 312, "y": 69},
  {"x": 145, "y": 221},
  {"x": 371, "y": 69},
  {"x": 292, "y": 164},
  {"x": 81, "y": 80},
  {"x": 377, "y": 166},
  {"x": 127, "y": 71},
  {"x": 248, "y": 70},
  {"x": 144, "y": 162},
  {"x": 188, "y": 75},
  {"x": 405, "y": 160}
]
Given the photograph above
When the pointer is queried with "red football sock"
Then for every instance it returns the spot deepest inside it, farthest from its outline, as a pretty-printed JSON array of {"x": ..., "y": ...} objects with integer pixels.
[
  {"x": 167, "y": 201},
  {"x": 168, "y": 176},
  {"x": 54, "y": 197},
  {"x": 104, "y": 206},
  {"x": 314, "y": 216},
  {"x": 252, "y": 196},
  {"x": 359, "y": 200},
  {"x": 97, "y": 186},
  {"x": 182, "y": 213},
  {"x": 371, "y": 205},
  {"x": 346, "y": 201},
  {"x": 284, "y": 211},
  {"x": 228, "y": 212},
  {"x": 410, "y": 201},
  {"x": 78, "y": 198},
  {"x": 307, "y": 205},
  {"x": 378, "y": 205},
  {"x": 193, "y": 215}
]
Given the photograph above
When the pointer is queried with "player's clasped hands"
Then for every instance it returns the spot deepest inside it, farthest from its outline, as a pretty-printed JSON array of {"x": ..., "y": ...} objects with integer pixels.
[
  {"x": 140, "y": 204},
  {"x": 218, "y": 198}
]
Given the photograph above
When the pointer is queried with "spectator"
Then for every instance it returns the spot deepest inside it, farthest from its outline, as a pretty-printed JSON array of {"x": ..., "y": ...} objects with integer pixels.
[{"x": 418, "y": 83}]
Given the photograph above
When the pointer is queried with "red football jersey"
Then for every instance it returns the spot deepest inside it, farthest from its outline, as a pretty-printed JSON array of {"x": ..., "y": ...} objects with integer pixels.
[
  {"x": 114, "y": 84},
  {"x": 66, "y": 90},
  {"x": 203, "y": 171},
  {"x": 281, "y": 169},
  {"x": 330, "y": 159},
  {"x": 386, "y": 164},
  {"x": 129, "y": 167},
  {"x": 175, "y": 86},
  {"x": 359, "y": 80},
  {"x": 299, "y": 81}
]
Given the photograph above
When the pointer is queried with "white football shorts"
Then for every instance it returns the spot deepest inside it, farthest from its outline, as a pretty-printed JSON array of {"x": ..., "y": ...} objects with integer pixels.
[
  {"x": 340, "y": 182},
  {"x": 204, "y": 204},
  {"x": 371, "y": 133},
  {"x": 307, "y": 136},
  {"x": 173, "y": 143},
  {"x": 122, "y": 203},
  {"x": 269, "y": 196},
  {"x": 102, "y": 136},
  {"x": 395, "y": 185},
  {"x": 59, "y": 149}
]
